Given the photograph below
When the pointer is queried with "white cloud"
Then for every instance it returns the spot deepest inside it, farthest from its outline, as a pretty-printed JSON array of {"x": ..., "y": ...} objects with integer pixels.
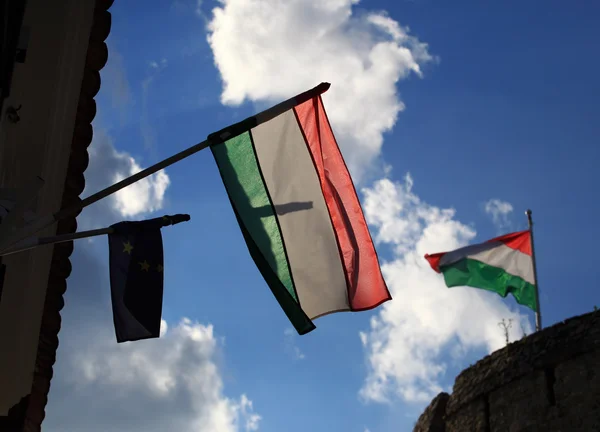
[
  {"x": 500, "y": 212},
  {"x": 410, "y": 338},
  {"x": 290, "y": 344},
  {"x": 108, "y": 166},
  {"x": 272, "y": 50},
  {"x": 146, "y": 195},
  {"x": 171, "y": 383},
  {"x": 251, "y": 419}
]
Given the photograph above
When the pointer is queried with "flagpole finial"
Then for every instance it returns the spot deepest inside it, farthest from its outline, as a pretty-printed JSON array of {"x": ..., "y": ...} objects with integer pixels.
[
  {"x": 324, "y": 86},
  {"x": 529, "y": 219}
]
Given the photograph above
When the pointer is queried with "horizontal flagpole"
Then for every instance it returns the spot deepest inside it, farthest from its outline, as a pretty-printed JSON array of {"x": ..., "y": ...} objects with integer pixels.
[
  {"x": 215, "y": 138},
  {"x": 34, "y": 242}
]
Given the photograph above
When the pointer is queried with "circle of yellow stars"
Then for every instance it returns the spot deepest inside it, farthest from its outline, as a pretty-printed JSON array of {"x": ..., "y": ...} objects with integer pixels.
[{"x": 144, "y": 265}]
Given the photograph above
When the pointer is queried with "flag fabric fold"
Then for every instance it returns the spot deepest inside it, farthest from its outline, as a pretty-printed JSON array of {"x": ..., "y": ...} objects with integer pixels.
[
  {"x": 137, "y": 276},
  {"x": 502, "y": 265},
  {"x": 299, "y": 214}
]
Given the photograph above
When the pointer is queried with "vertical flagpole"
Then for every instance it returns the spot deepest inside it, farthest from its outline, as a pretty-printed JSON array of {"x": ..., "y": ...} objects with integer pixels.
[{"x": 538, "y": 313}]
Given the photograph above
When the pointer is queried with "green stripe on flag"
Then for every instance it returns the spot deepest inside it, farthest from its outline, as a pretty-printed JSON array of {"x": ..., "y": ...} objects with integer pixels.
[
  {"x": 475, "y": 274},
  {"x": 257, "y": 219}
]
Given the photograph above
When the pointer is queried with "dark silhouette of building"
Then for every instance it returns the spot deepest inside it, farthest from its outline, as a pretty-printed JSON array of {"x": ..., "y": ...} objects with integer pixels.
[{"x": 52, "y": 53}]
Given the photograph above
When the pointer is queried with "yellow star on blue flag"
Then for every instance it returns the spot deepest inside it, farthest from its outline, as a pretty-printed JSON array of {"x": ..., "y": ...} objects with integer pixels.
[{"x": 137, "y": 276}]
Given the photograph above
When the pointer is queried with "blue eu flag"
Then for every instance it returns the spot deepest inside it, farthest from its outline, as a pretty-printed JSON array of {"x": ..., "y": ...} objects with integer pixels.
[{"x": 136, "y": 277}]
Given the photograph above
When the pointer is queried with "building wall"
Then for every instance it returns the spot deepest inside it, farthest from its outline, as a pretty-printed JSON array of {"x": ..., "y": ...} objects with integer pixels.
[
  {"x": 548, "y": 381},
  {"x": 47, "y": 87}
]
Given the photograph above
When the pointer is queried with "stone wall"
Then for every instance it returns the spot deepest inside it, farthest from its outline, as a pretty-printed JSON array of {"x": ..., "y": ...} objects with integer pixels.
[{"x": 548, "y": 381}]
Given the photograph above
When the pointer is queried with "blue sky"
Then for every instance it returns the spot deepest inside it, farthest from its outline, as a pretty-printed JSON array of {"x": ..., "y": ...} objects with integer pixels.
[{"x": 499, "y": 108}]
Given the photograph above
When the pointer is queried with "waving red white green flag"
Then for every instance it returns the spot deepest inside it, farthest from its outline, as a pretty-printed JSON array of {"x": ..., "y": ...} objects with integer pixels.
[
  {"x": 503, "y": 265},
  {"x": 299, "y": 213}
]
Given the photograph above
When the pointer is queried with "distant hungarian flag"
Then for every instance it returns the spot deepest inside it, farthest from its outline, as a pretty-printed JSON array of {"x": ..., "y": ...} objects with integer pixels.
[
  {"x": 297, "y": 208},
  {"x": 502, "y": 265}
]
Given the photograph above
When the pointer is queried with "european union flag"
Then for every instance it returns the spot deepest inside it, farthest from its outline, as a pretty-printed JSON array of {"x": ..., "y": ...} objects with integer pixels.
[{"x": 136, "y": 277}]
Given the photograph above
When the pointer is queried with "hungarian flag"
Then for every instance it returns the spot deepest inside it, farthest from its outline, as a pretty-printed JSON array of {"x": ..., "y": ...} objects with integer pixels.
[
  {"x": 502, "y": 265},
  {"x": 299, "y": 213}
]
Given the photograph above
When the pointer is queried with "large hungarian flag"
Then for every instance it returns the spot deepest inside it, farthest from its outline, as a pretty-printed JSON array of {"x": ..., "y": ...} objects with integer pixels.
[
  {"x": 299, "y": 213},
  {"x": 502, "y": 265}
]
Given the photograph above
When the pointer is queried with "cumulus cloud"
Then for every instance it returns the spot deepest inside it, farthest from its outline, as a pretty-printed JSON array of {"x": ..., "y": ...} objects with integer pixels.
[
  {"x": 500, "y": 212},
  {"x": 107, "y": 166},
  {"x": 410, "y": 338},
  {"x": 173, "y": 383},
  {"x": 267, "y": 51},
  {"x": 270, "y": 50}
]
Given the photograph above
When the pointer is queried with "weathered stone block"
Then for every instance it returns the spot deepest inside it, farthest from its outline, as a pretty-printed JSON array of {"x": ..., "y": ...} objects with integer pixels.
[
  {"x": 577, "y": 391},
  {"x": 432, "y": 419},
  {"x": 520, "y": 404},
  {"x": 471, "y": 417},
  {"x": 547, "y": 382}
]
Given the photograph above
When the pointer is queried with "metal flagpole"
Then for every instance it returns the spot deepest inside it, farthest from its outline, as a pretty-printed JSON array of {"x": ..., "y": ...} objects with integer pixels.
[
  {"x": 34, "y": 242},
  {"x": 538, "y": 313},
  {"x": 214, "y": 138}
]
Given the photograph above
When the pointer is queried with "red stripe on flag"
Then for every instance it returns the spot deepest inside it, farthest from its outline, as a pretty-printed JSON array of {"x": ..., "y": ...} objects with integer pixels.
[
  {"x": 520, "y": 241},
  {"x": 434, "y": 260},
  {"x": 365, "y": 283}
]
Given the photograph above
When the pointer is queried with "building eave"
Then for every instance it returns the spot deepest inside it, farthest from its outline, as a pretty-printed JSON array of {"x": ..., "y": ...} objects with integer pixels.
[{"x": 97, "y": 56}]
